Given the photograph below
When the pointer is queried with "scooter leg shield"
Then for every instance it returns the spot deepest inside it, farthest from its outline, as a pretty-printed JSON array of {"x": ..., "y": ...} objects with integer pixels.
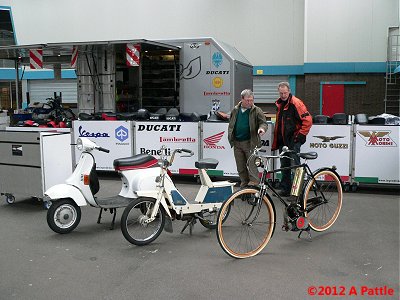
[{"x": 64, "y": 191}]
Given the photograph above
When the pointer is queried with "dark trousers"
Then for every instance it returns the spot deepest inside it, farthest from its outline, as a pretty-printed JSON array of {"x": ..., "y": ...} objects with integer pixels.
[{"x": 286, "y": 181}]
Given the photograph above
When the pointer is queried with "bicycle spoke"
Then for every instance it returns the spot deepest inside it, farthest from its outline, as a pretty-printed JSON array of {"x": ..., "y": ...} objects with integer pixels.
[{"x": 249, "y": 225}]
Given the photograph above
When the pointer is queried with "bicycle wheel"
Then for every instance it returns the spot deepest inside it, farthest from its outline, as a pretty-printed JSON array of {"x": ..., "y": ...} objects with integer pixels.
[
  {"x": 323, "y": 199},
  {"x": 133, "y": 222},
  {"x": 245, "y": 224}
]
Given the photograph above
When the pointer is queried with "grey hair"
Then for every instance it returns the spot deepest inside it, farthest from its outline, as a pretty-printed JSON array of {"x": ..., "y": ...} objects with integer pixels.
[
  {"x": 246, "y": 93},
  {"x": 284, "y": 84}
]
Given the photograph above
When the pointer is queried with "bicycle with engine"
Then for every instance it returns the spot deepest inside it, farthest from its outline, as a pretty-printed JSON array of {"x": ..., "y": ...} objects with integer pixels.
[
  {"x": 154, "y": 210},
  {"x": 316, "y": 203}
]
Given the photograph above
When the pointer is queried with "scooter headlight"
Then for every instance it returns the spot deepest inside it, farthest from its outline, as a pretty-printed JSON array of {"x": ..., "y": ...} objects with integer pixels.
[
  {"x": 258, "y": 162},
  {"x": 79, "y": 144}
]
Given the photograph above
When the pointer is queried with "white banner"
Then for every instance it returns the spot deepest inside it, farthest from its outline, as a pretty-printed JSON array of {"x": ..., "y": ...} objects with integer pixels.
[
  {"x": 377, "y": 154},
  {"x": 215, "y": 144},
  {"x": 150, "y": 136},
  {"x": 333, "y": 145},
  {"x": 115, "y": 136}
]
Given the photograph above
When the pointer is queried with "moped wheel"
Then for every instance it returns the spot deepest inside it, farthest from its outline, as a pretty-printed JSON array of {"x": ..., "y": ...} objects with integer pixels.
[
  {"x": 210, "y": 218},
  {"x": 10, "y": 199},
  {"x": 323, "y": 200},
  {"x": 135, "y": 224},
  {"x": 245, "y": 223},
  {"x": 63, "y": 216}
]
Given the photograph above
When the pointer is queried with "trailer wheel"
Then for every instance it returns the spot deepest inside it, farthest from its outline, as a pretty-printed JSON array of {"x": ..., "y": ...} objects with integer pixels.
[
  {"x": 63, "y": 216},
  {"x": 10, "y": 198}
]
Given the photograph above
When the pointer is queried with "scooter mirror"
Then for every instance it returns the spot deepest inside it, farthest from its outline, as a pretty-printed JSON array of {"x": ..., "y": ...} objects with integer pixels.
[{"x": 79, "y": 144}]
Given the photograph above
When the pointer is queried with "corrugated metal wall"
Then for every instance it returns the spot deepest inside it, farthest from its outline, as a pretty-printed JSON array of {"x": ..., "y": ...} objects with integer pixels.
[
  {"x": 265, "y": 88},
  {"x": 39, "y": 90}
]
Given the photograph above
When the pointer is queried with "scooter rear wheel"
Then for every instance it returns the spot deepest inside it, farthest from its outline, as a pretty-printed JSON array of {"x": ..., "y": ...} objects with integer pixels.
[
  {"x": 134, "y": 222},
  {"x": 63, "y": 216}
]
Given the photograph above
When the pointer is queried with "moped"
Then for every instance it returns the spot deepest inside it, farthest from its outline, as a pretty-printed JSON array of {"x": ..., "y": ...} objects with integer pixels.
[
  {"x": 146, "y": 216},
  {"x": 64, "y": 200}
]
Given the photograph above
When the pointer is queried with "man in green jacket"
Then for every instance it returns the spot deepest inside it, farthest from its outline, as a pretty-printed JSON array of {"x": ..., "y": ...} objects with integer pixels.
[{"x": 247, "y": 123}]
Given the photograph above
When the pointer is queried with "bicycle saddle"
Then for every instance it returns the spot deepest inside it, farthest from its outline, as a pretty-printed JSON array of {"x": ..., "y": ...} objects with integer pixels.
[
  {"x": 139, "y": 161},
  {"x": 309, "y": 155},
  {"x": 206, "y": 163}
]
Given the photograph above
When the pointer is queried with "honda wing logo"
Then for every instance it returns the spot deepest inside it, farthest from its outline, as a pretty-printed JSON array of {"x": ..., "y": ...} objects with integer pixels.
[
  {"x": 377, "y": 138},
  {"x": 212, "y": 141}
]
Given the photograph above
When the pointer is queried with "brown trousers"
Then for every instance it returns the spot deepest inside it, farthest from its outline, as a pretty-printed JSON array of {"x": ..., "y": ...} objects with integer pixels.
[{"x": 242, "y": 152}]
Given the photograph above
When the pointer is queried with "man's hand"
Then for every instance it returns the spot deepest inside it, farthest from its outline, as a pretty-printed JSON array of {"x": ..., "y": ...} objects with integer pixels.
[
  {"x": 260, "y": 131},
  {"x": 300, "y": 138}
]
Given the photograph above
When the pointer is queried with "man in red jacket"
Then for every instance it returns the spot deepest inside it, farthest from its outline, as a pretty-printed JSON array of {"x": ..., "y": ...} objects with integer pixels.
[{"x": 293, "y": 122}]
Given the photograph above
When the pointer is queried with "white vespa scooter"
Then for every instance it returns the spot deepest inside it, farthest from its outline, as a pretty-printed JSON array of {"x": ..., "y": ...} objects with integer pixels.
[{"x": 64, "y": 200}]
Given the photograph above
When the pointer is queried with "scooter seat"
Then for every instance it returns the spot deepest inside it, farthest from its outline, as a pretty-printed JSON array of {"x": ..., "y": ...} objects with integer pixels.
[
  {"x": 139, "y": 161},
  {"x": 206, "y": 163}
]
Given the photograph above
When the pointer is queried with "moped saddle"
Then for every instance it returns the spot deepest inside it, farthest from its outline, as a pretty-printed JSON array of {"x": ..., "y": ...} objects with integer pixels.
[
  {"x": 320, "y": 119},
  {"x": 139, "y": 161},
  {"x": 85, "y": 117},
  {"x": 206, "y": 163},
  {"x": 172, "y": 115},
  {"x": 127, "y": 116},
  {"x": 109, "y": 116},
  {"x": 143, "y": 114},
  {"x": 192, "y": 117},
  {"x": 377, "y": 120},
  {"x": 339, "y": 119},
  {"x": 159, "y": 114}
]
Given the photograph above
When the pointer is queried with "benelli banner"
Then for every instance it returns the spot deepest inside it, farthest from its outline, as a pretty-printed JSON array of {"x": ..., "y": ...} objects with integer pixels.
[{"x": 150, "y": 136}]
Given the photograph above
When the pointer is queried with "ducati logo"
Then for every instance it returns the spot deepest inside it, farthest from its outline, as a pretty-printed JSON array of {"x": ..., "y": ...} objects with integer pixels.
[
  {"x": 377, "y": 138},
  {"x": 212, "y": 141}
]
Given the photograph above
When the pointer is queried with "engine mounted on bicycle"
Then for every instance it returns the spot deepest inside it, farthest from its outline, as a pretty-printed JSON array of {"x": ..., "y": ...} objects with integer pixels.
[{"x": 314, "y": 204}]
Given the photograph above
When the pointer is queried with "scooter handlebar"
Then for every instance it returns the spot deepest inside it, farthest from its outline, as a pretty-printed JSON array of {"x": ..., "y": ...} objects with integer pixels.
[
  {"x": 103, "y": 149},
  {"x": 186, "y": 151}
]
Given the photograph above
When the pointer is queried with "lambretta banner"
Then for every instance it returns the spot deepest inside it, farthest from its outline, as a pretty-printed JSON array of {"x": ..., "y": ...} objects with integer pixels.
[
  {"x": 377, "y": 154},
  {"x": 150, "y": 136}
]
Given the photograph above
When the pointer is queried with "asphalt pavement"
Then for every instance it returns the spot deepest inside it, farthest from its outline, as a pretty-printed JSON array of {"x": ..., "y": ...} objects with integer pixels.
[{"x": 357, "y": 258}]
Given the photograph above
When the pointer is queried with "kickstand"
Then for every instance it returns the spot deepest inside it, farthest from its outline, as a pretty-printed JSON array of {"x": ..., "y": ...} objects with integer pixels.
[
  {"x": 99, "y": 218},
  {"x": 308, "y": 231},
  {"x": 189, "y": 223},
  {"x": 113, "y": 211}
]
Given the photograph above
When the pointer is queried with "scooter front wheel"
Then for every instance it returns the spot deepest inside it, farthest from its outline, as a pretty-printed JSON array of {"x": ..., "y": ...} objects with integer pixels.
[
  {"x": 135, "y": 221},
  {"x": 63, "y": 216}
]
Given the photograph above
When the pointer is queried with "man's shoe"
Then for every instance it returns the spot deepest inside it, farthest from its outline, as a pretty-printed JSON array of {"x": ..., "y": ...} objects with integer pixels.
[{"x": 284, "y": 193}]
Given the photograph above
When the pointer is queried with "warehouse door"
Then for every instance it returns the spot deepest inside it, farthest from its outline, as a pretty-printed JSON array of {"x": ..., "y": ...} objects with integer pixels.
[
  {"x": 40, "y": 90},
  {"x": 332, "y": 99},
  {"x": 266, "y": 88}
]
